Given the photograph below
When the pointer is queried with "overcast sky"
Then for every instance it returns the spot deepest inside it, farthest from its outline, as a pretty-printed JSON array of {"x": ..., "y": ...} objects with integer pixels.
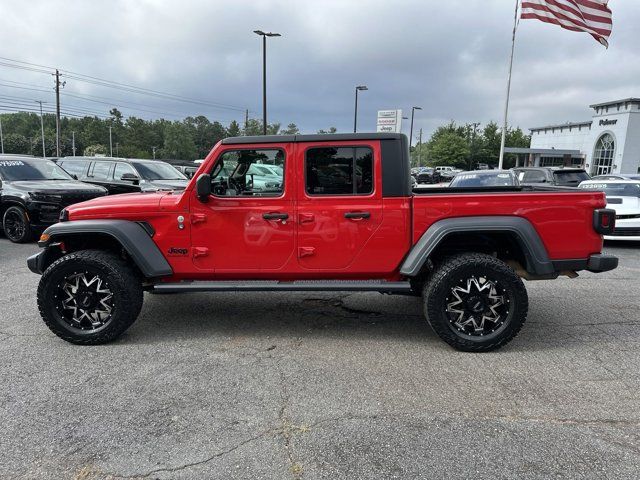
[{"x": 448, "y": 56}]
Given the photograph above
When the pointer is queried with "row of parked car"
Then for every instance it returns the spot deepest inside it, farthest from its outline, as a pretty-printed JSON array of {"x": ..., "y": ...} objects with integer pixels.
[
  {"x": 622, "y": 190},
  {"x": 33, "y": 191}
]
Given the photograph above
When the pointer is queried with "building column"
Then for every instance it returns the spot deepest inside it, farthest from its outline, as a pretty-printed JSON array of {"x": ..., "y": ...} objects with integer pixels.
[
  {"x": 566, "y": 160},
  {"x": 531, "y": 161}
]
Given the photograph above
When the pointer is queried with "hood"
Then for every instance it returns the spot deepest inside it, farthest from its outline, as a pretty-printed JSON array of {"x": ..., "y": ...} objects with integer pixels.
[
  {"x": 164, "y": 184},
  {"x": 118, "y": 206},
  {"x": 624, "y": 205},
  {"x": 58, "y": 187}
]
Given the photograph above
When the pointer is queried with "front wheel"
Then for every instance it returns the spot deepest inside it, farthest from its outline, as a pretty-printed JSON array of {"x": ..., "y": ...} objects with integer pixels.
[
  {"x": 16, "y": 225},
  {"x": 475, "y": 302},
  {"x": 89, "y": 297}
]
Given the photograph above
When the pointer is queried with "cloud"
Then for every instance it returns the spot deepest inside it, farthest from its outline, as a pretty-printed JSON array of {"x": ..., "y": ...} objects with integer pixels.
[{"x": 450, "y": 58}]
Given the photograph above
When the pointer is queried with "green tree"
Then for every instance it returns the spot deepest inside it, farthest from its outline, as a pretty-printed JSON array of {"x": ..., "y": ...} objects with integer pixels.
[
  {"x": 325, "y": 132},
  {"x": 234, "y": 129},
  {"x": 292, "y": 129},
  {"x": 16, "y": 143},
  {"x": 95, "y": 149},
  {"x": 254, "y": 127},
  {"x": 178, "y": 143},
  {"x": 447, "y": 148}
]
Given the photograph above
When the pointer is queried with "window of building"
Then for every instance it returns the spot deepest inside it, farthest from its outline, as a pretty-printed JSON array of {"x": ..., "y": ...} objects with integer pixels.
[
  {"x": 603, "y": 155},
  {"x": 339, "y": 171},
  {"x": 551, "y": 161},
  {"x": 100, "y": 170},
  {"x": 257, "y": 173}
]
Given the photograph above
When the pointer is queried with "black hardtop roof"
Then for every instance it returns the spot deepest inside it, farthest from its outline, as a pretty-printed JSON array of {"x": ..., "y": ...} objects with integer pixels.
[
  {"x": 552, "y": 169},
  {"x": 331, "y": 137}
]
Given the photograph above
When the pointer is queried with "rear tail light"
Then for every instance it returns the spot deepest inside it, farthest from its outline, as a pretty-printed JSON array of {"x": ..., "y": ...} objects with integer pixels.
[{"x": 604, "y": 220}]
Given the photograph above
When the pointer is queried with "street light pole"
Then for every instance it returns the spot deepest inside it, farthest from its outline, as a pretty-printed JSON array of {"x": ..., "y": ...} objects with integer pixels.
[
  {"x": 355, "y": 112},
  {"x": 1, "y": 137},
  {"x": 413, "y": 109},
  {"x": 44, "y": 154},
  {"x": 110, "y": 143},
  {"x": 264, "y": 36}
]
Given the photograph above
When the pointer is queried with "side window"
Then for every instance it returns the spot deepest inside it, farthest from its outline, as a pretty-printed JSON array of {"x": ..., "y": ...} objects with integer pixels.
[
  {"x": 339, "y": 171},
  {"x": 100, "y": 170},
  {"x": 74, "y": 167},
  {"x": 534, "y": 176},
  {"x": 240, "y": 173},
  {"x": 121, "y": 169}
]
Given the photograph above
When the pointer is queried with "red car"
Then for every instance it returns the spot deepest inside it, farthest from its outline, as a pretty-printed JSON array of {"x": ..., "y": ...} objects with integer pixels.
[{"x": 343, "y": 218}]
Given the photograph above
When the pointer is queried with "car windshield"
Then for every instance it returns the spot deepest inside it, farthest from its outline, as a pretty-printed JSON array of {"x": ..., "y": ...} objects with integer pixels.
[
  {"x": 569, "y": 177},
  {"x": 615, "y": 189},
  {"x": 158, "y": 171},
  {"x": 26, "y": 169},
  {"x": 483, "y": 180}
]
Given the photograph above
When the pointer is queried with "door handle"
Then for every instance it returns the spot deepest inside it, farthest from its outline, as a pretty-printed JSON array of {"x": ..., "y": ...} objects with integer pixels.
[
  {"x": 275, "y": 216},
  {"x": 357, "y": 215}
]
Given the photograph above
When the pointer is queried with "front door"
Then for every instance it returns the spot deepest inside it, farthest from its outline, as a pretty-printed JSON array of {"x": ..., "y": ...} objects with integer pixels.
[
  {"x": 247, "y": 225},
  {"x": 339, "y": 204}
]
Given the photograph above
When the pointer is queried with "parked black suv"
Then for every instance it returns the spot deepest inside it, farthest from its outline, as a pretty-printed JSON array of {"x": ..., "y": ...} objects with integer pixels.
[
  {"x": 125, "y": 175},
  {"x": 557, "y": 176},
  {"x": 33, "y": 191}
]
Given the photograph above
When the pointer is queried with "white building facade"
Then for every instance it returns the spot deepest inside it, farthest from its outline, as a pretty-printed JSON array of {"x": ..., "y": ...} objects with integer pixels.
[{"x": 608, "y": 143}]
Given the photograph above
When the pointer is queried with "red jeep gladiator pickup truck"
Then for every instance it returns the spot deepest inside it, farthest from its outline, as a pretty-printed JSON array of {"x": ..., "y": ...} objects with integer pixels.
[{"x": 319, "y": 213}]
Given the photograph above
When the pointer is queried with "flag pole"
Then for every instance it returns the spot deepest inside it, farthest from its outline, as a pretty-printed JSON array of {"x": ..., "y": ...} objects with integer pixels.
[{"x": 506, "y": 103}]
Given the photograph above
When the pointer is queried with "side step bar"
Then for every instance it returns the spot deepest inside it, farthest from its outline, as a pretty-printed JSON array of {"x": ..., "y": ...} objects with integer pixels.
[{"x": 278, "y": 286}]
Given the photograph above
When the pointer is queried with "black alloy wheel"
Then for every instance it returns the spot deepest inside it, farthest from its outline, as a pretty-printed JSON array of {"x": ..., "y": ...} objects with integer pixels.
[{"x": 16, "y": 225}]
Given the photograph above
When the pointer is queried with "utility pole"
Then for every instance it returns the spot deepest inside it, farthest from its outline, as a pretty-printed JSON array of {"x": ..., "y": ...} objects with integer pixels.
[
  {"x": 1, "y": 137},
  {"x": 246, "y": 121},
  {"x": 153, "y": 148},
  {"x": 57, "y": 75},
  {"x": 73, "y": 143},
  {"x": 110, "y": 143},
  {"x": 420, "y": 151},
  {"x": 473, "y": 143},
  {"x": 44, "y": 152},
  {"x": 413, "y": 109}
]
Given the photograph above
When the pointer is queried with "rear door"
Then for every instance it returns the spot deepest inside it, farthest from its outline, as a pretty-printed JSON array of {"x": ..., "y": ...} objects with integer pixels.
[
  {"x": 339, "y": 203},
  {"x": 124, "y": 186},
  {"x": 101, "y": 173}
]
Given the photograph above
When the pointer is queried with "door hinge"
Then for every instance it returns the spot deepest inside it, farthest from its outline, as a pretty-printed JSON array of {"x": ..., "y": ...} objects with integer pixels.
[
  {"x": 200, "y": 252},
  {"x": 198, "y": 218},
  {"x": 306, "y": 251}
]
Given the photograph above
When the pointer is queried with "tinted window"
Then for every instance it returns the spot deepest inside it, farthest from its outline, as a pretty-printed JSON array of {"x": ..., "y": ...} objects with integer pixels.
[
  {"x": 339, "y": 171},
  {"x": 249, "y": 173},
  {"x": 121, "y": 169},
  {"x": 570, "y": 178},
  {"x": 75, "y": 167},
  {"x": 100, "y": 170},
  {"x": 158, "y": 171},
  {"x": 532, "y": 176},
  {"x": 15, "y": 170}
]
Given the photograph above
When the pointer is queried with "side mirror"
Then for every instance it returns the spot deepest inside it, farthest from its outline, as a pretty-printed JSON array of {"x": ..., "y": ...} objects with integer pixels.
[
  {"x": 130, "y": 177},
  {"x": 203, "y": 187}
]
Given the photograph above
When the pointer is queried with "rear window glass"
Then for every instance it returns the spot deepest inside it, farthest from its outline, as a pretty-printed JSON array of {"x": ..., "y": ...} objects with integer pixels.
[
  {"x": 339, "y": 171},
  {"x": 570, "y": 178},
  {"x": 481, "y": 180}
]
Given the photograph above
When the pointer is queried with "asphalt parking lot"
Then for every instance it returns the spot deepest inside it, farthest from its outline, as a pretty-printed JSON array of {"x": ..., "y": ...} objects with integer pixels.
[{"x": 324, "y": 386}]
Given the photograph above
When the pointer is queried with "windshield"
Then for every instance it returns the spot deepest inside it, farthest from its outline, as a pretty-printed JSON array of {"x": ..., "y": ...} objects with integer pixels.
[
  {"x": 570, "y": 178},
  {"x": 481, "y": 180},
  {"x": 158, "y": 171},
  {"x": 24, "y": 169},
  {"x": 612, "y": 189}
]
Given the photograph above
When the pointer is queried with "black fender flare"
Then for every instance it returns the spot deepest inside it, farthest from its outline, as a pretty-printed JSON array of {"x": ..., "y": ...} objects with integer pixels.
[
  {"x": 537, "y": 259},
  {"x": 133, "y": 237}
]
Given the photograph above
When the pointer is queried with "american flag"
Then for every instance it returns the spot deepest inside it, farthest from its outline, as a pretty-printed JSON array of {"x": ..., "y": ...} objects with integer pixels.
[{"x": 591, "y": 16}]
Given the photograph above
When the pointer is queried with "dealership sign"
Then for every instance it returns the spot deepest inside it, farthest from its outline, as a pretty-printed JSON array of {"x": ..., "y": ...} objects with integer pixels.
[{"x": 389, "y": 121}]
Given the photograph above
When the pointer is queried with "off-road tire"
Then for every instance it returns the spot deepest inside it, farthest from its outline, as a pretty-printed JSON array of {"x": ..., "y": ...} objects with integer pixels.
[
  {"x": 123, "y": 282},
  {"x": 19, "y": 214},
  {"x": 454, "y": 271}
]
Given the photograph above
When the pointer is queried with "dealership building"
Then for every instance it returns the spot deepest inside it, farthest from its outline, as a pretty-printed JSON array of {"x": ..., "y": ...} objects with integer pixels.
[{"x": 608, "y": 143}]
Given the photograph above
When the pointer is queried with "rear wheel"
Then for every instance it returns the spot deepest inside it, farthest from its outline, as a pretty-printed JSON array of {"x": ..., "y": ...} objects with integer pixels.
[
  {"x": 89, "y": 297},
  {"x": 16, "y": 225},
  {"x": 475, "y": 302}
]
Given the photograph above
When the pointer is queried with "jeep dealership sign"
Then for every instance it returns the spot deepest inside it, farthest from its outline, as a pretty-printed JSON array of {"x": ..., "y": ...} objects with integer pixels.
[{"x": 389, "y": 121}]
